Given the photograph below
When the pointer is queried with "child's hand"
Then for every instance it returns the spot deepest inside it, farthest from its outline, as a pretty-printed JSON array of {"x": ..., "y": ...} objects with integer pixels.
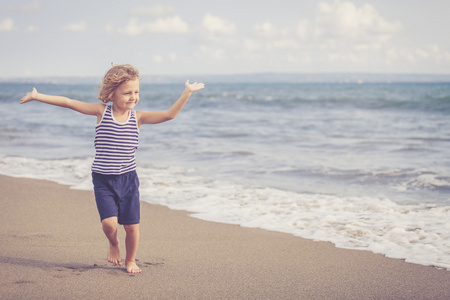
[
  {"x": 193, "y": 87},
  {"x": 29, "y": 97}
]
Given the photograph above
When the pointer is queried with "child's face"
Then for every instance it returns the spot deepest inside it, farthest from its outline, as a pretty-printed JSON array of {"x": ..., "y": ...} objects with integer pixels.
[{"x": 126, "y": 95}]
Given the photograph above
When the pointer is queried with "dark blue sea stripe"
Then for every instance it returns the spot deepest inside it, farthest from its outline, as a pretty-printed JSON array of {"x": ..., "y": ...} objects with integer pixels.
[{"x": 115, "y": 144}]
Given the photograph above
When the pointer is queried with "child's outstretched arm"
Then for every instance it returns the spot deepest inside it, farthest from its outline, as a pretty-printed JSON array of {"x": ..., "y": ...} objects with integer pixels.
[
  {"x": 146, "y": 117},
  {"x": 82, "y": 107}
]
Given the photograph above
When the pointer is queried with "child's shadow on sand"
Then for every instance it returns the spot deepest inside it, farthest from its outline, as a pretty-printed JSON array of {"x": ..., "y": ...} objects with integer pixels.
[
  {"x": 69, "y": 267},
  {"x": 64, "y": 270}
]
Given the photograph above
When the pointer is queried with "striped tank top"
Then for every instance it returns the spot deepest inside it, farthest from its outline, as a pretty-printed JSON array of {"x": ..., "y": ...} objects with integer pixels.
[{"x": 115, "y": 144}]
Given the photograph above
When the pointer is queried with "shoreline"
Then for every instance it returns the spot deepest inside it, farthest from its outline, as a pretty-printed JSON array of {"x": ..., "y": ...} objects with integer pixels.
[{"x": 53, "y": 247}]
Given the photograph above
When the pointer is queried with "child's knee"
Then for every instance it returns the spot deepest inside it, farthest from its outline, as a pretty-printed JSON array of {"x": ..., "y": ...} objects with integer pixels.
[
  {"x": 110, "y": 223},
  {"x": 131, "y": 229}
]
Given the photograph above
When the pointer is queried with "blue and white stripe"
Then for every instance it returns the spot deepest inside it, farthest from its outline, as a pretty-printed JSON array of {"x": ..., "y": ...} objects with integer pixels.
[{"x": 115, "y": 144}]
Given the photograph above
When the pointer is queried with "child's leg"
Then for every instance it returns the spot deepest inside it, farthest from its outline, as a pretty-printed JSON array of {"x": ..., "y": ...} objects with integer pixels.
[
  {"x": 110, "y": 229},
  {"x": 131, "y": 244}
]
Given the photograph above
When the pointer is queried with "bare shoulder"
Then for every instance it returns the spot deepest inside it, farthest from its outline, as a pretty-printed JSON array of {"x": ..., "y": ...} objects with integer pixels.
[
  {"x": 101, "y": 106},
  {"x": 140, "y": 114}
]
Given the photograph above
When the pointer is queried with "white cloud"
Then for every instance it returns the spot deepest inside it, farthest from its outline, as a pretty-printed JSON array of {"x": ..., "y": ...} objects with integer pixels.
[
  {"x": 447, "y": 56},
  {"x": 216, "y": 53},
  {"x": 302, "y": 29},
  {"x": 265, "y": 29},
  {"x": 286, "y": 44},
  {"x": 430, "y": 53},
  {"x": 162, "y": 25},
  {"x": 217, "y": 33},
  {"x": 268, "y": 37},
  {"x": 366, "y": 47},
  {"x": 435, "y": 48},
  {"x": 409, "y": 57},
  {"x": 340, "y": 34},
  {"x": 169, "y": 25},
  {"x": 218, "y": 37},
  {"x": 76, "y": 27},
  {"x": 251, "y": 44},
  {"x": 344, "y": 20},
  {"x": 155, "y": 11},
  {"x": 109, "y": 28},
  {"x": 425, "y": 56},
  {"x": 157, "y": 59},
  {"x": 392, "y": 53},
  {"x": 32, "y": 28},
  {"x": 133, "y": 28},
  {"x": 172, "y": 56},
  {"x": 7, "y": 25},
  {"x": 31, "y": 7},
  {"x": 421, "y": 54},
  {"x": 218, "y": 26},
  {"x": 345, "y": 57}
]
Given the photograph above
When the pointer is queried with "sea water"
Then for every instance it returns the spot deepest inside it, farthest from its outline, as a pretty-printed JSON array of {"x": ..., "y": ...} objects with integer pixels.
[{"x": 364, "y": 166}]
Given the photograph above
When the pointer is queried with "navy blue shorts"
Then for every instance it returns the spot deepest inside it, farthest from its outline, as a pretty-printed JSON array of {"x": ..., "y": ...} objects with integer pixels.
[{"x": 118, "y": 196}]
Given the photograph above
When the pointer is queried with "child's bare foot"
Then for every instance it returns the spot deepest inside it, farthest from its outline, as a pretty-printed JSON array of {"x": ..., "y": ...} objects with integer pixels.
[
  {"x": 114, "y": 255},
  {"x": 132, "y": 267}
]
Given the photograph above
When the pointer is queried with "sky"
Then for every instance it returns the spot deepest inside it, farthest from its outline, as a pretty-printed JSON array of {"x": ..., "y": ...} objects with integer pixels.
[{"x": 42, "y": 38}]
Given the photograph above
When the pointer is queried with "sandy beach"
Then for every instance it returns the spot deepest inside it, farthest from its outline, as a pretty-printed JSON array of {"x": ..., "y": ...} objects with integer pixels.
[{"x": 52, "y": 247}]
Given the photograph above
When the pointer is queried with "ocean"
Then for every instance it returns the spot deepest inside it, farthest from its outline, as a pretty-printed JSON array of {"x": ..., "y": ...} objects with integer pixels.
[{"x": 364, "y": 166}]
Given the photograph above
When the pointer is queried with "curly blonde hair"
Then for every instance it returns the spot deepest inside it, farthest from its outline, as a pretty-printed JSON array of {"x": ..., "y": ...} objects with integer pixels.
[{"x": 117, "y": 75}]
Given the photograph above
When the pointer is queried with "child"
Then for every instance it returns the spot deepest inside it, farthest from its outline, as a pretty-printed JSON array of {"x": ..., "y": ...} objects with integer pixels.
[{"x": 116, "y": 184}]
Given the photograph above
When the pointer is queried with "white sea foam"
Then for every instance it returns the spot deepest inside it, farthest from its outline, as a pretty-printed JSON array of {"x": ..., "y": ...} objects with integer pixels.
[
  {"x": 417, "y": 233},
  {"x": 430, "y": 181},
  {"x": 73, "y": 172}
]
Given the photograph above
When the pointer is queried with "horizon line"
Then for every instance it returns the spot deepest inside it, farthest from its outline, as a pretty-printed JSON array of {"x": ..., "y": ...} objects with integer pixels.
[{"x": 288, "y": 77}]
